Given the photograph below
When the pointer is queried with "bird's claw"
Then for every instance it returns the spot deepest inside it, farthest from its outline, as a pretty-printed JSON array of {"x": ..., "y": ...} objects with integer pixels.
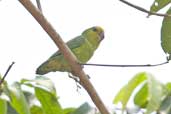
[
  {"x": 88, "y": 76},
  {"x": 76, "y": 79}
]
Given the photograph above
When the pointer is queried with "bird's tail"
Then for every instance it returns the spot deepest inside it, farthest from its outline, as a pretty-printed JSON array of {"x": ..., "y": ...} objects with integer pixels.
[
  {"x": 53, "y": 65},
  {"x": 43, "y": 68}
]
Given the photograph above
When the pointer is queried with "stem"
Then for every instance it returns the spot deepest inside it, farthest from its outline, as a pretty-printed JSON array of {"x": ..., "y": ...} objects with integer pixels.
[
  {"x": 3, "y": 78},
  {"x": 112, "y": 65},
  {"x": 68, "y": 55},
  {"x": 144, "y": 10}
]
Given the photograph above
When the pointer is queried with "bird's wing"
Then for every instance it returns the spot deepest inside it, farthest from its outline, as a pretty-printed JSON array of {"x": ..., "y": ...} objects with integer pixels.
[{"x": 72, "y": 44}]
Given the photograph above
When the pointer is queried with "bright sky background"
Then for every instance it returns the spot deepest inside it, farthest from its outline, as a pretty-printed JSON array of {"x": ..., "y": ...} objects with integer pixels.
[{"x": 130, "y": 38}]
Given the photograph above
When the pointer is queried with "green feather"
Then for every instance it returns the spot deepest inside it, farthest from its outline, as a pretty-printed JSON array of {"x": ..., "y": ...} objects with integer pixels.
[{"x": 83, "y": 48}]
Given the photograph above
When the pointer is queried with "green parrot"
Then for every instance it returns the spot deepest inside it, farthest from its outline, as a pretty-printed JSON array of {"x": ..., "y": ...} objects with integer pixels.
[{"x": 83, "y": 47}]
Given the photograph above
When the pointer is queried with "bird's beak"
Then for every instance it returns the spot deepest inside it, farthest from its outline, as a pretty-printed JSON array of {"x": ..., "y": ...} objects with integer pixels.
[{"x": 101, "y": 36}]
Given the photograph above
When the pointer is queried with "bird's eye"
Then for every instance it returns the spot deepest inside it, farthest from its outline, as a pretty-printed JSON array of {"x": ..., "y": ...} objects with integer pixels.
[{"x": 94, "y": 29}]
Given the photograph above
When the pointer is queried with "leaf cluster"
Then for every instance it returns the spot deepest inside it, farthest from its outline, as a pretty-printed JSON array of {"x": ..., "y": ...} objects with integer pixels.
[
  {"x": 14, "y": 99},
  {"x": 166, "y": 25},
  {"x": 152, "y": 95}
]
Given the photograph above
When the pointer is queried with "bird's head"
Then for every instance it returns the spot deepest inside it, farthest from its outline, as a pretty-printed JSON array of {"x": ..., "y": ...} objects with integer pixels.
[{"x": 95, "y": 31}]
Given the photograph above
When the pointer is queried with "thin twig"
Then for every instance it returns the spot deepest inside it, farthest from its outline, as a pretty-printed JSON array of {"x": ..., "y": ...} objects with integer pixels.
[
  {"x": 144, "y": 10},
  {"x": 68, "y": 55},
  {"x": 39, "y": 5},
  {"x": 112, "y": 65},
  {"x": 3, "y": 78}
]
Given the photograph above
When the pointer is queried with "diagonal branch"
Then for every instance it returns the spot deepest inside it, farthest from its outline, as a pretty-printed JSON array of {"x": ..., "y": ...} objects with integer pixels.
[
  {"x": 3, "y": 78},
  {"x": 68, "y": 55},
  {"x": 144, "y": 10}
]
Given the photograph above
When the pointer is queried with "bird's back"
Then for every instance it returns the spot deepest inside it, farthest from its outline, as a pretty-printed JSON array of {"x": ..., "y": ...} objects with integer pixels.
[{"x": 80, "y": 47}]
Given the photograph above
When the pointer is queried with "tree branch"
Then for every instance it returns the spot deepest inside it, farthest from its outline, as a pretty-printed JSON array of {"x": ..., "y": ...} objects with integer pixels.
[
  {"x": 144, "y": 10},
  {"x": 68, "y": 55},
  {"x": 3, "y": 78},
  {"x": 112, "y": 65}
]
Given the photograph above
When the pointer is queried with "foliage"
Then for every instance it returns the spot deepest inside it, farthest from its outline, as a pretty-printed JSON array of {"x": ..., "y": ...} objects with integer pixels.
[
  {"x": 166, "y": 25},
  {"x": 158, "y": 5},
  {"x": 152, "y": 95},
  {"x": 15, "y": 100},
  {"x": 166, "y": 35}
]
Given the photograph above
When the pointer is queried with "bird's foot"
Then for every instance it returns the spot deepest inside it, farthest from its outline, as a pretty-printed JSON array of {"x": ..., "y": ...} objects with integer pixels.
[
  {"x": 88, "y": 76},
  {"x": 82, "y": 66},
  {"x": 76, "y": 79}
]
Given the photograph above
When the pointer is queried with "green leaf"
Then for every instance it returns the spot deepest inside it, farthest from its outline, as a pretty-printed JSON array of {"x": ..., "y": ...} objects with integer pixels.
[
  {"x": 49, "y": 101},
  {"x": 18, "y": 101},
  {"x": 69, "y": 110},
  {"x": 165, "y": 107},
  {"x": 125, "y": 93},
  {"x": 41, "y": 82},
  {"x": 151, "y": 95},
  {"x": 11, "y": 109},
  {"x": 30, "y": 98},
  {"x": 142, "y": 96},
  {"x": 83, "y": 109},
  {"x": 158, "y": 5},
  {"x": 27, "y": 82},
  {"x": 3, "y": 105},
  {"x": 36, "y": 110},
  {"x": 166, "y": 34},
  {"x": 168, "y": 86},
  {"x": 157, "y": 91}
]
